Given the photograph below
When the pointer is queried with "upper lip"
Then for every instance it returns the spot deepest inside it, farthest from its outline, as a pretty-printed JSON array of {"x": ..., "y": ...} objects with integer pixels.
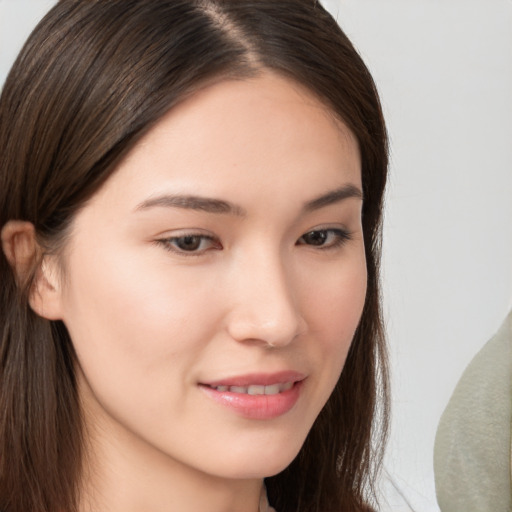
[{"x": 258, "y": 379}]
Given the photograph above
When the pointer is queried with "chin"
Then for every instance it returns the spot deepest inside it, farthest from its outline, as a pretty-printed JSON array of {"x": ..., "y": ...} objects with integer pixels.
[{"x": 261, "y": 461}]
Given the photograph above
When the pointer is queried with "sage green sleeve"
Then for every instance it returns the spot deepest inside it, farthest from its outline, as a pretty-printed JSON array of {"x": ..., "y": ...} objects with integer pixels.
[{"x": 472, "y": 454}]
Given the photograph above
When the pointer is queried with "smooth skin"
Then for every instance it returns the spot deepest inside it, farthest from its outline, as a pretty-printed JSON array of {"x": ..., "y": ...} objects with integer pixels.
[{"x": 162, "y": 293}]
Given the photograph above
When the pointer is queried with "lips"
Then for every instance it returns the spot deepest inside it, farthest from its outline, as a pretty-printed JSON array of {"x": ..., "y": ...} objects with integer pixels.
[{"x": 257, "y": 396}]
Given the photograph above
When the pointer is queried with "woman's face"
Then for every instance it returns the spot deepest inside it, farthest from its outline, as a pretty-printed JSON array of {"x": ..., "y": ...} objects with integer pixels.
[{"x": 213, "y": 285}]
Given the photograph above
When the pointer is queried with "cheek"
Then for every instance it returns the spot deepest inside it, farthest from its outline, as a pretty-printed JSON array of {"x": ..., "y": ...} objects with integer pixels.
[
  {"x": 126, "y": 319},
  {"x": 335, "y": 305},
  {"x": 138, "y": 340},
  {"x": 334, "y": 311}
]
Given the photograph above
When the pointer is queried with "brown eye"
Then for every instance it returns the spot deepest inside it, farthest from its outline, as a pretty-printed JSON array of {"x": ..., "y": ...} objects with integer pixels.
[
  {"x": 188, "y": 243},
  {"x": 324, "y": 238},
  {"x": 191, "y": 244},
  {"x": 315, "y": 238}
]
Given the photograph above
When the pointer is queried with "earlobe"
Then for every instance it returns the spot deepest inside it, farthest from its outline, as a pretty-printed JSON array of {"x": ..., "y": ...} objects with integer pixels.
[
  {"x": 45, "y": 293},
  {"x": 25, "y": 257}
]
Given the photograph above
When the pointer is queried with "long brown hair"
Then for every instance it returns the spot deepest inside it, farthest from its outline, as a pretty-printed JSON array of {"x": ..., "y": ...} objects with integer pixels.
[{"x": 92, "y": 79}]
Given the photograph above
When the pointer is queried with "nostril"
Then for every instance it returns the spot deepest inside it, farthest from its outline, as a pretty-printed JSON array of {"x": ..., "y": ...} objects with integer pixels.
[{"x": 272, "y": 334}]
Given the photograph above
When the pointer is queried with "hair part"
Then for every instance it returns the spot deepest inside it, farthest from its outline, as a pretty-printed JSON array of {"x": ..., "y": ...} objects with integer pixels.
[{"x": 92, "y": 79}]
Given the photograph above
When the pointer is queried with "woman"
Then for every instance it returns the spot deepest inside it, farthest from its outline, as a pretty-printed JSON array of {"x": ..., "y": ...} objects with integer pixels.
[{"x": 190, "y": 208}]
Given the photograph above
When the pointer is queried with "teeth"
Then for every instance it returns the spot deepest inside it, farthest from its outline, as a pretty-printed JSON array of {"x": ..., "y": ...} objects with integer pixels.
[
  {"x": 271, "y": 390},
  {"x": 286, "y": 386},
  {"x": 257, "y": 389}
]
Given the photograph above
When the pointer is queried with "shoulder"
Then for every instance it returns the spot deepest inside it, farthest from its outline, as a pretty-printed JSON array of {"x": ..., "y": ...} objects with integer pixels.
[{"x": 472, "y": 449}]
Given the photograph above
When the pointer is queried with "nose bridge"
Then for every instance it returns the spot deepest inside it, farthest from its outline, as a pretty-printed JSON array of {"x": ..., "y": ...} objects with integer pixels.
[{"x": 265, "y": 306}]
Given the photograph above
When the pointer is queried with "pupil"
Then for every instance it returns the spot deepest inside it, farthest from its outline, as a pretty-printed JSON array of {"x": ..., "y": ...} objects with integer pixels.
[
  {"x": 316, "y": 237},
  {"x": 189, "y": 243}
]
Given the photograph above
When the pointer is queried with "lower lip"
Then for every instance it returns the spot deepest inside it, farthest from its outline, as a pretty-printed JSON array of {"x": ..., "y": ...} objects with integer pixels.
[{"x": 257, "y": 407}]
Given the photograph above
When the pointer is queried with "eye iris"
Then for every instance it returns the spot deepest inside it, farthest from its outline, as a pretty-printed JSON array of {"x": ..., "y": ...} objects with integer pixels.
[
  {"x": 188, "y": 243},
  {"x": 315, "y": 237}
]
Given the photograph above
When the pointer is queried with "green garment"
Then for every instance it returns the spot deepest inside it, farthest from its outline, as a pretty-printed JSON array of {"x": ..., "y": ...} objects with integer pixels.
[{"x": 472, "y": 455}]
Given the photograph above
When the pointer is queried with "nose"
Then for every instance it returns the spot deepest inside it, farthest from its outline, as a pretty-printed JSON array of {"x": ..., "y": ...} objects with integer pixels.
[{"x": 264, "y": 303}]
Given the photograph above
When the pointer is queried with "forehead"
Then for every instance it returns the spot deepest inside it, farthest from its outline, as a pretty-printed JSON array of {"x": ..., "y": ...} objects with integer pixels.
[{"x": 244, "y": 138}]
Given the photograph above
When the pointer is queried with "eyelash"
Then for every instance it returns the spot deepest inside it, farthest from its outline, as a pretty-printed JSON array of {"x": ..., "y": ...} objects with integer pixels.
[
  {"x": 171, "y": 244},
  {"x": 340, "y": 237}
]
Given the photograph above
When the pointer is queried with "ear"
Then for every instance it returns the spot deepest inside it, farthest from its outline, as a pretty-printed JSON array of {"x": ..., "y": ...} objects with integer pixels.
[{"x": 23, "y": 254}]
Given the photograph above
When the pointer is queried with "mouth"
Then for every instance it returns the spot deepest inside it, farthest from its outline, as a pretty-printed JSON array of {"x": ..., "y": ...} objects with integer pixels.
[{"x": 261, "y": 397}]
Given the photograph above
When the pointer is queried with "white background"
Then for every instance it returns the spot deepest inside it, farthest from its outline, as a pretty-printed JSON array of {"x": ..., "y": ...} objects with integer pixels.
[{"x": 444, "y": 70}]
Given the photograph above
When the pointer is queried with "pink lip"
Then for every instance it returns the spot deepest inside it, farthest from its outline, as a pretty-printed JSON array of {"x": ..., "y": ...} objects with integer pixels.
[{"x": 259, "y": 407}]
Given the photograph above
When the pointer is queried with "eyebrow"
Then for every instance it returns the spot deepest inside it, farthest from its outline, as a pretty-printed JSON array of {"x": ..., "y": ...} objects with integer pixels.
[
  {"x": 219, "y": 206},
  {"x": 334, "y": 196},
  {"x": 189, "y": 202}
]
